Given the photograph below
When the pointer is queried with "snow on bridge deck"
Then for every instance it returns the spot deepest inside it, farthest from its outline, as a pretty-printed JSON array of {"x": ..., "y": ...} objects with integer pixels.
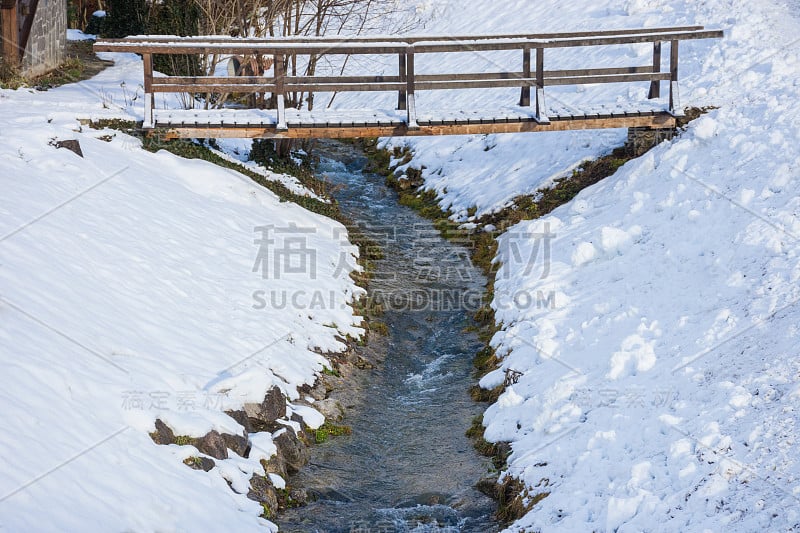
[{"x": 366, "y": 123}]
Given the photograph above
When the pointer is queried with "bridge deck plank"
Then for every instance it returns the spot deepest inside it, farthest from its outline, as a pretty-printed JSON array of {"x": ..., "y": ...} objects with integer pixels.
[{"x": 249, "y": 124}]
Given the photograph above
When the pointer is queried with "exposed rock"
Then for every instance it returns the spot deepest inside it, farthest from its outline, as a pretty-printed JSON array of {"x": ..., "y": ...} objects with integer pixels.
[
  {"x": 319, "y": 392},
  {"x": 275, "y": 465},
  {"x": 641, "y": 140},
  {"x": 200, "y": 463},
  {"x": 271, "y": 409},
  {"x": 242, "y": 418},
  {"x": 238, "y": 443},
  {"x": 212, "y": 444},
  {"x": 330, "y": 408},
  {"x": 363, "y": 364},
  {"x": 299, "y": 419},
  {"x": 489, "y": 486},
  {"x": 298, "y": 496},
  {"x": 72, "y": 145},
  {"x": 163, "y": 434},
  {"x": 262, "y": 491},
  {"x": 411, "y": 179},
  {"x": 293, "y": 451}
]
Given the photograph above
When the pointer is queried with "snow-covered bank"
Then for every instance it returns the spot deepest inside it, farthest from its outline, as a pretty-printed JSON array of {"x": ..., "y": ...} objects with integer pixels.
[
  {"x": 660, "y": 392},
  {"x": 523, "y": 163},
  {"x": 127, "y": 293}
]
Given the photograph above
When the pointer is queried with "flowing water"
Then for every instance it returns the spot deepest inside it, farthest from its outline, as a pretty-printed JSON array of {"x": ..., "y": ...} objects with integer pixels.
[{"x": 407, "y": 465}]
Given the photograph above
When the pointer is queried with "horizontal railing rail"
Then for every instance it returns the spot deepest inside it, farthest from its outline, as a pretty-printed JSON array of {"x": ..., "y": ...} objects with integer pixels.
[{"x": 532, "y": 77}]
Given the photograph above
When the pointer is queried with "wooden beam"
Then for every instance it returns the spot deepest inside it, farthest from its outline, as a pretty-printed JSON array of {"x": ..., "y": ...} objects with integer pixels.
[
  {"x": 659, "y": 121},
  {"x": 9, "y": 32},
  {"x": 525, "y": 96},
  {"x": 149, "y": 96},
  {"x": 410, "y": 39},
  {"x": 655, "y": 85},
  {"x": 674, "y": 105},
  {"x": 27, "y": 26},
  {"x": 469, "y": 76},
  {"x": 462, "y": 81},
  {"x": 411, "y": 90},
  {"x": 198, "y": 46},
  {"x": 617, "y": 78},
  {"x": 280, "y": 92},
  {"x": 215, "y": 88},
  {"x": 402, "y": 95},
  {"x": 344, "y": 87},
  {"x": 541, "y": 108}
]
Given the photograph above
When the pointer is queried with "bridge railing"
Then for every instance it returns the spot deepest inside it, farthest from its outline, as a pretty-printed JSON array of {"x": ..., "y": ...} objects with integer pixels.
[{"x": 532, "y": 78}]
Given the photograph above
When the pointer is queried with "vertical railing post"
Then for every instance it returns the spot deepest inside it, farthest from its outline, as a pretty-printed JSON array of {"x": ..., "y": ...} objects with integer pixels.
[
  {"x": 674, "y": 104},
  {"x": 525, "y": 97},
  {"x": 9, "y": 32},
  {"x": 149, "y": 97},
  {"x": 541, "y": 114},
  {"x": 401, "y": 97},
  {"x": 280, "y": 91},
  {"x": 410, "y": 90},
  {"x": 655, "y": 85}
]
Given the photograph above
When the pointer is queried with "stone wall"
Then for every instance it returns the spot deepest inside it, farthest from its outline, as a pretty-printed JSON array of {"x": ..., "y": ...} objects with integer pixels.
[
  {"x": 48, "y": 39},
  {"x": 640, "y": 140}
]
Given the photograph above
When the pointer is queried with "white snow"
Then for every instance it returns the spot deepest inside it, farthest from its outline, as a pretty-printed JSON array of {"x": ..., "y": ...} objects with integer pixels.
[
  {"x": 78, "y": 35},
  {"x": 658, "y": 338},
  {"x": 127, "y": 283}
]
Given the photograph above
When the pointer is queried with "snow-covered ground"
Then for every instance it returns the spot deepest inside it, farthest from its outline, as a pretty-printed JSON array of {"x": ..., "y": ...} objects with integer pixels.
[
  {"x": 658, "y": 385},
  {"x": 654, "y": 318},
  {"x": 127, "y": 293}
]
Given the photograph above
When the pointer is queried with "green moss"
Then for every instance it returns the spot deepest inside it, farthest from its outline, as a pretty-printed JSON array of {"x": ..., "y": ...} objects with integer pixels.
[
  {"x": 70, "y": 71},
  {"x": 327, "y": 430},
  {"x": 81, "y": 63},
  {"x": 379, "y": 161},
  {"x": 126, "y": 126},
  {"x": 182, "y": 440},
  {"x": 285, "y": 500},
  {"x": 193, "y": 461},
  {"x": 331, "y": 372},
  {"x": 379, "y": 327}
]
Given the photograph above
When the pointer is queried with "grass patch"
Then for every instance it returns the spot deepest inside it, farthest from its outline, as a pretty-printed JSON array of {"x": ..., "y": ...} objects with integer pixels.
[
  {"x": 379, "y": 160},
  {"x": 183, "y": 440},
  {"x": 381, "y": 328},
  {"x": 285, "y": 500},
  {"x": 331, "y": 372},
  {"x": 80, "y": 63},
  {"x": 327, "y": 430},
  {"x": 10, "y": 76},
  {"x": 511, "y": 496}
]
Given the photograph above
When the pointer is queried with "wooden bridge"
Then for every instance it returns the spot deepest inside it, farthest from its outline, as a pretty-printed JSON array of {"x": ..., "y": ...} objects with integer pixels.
[{"x": 530, "y": 113}]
